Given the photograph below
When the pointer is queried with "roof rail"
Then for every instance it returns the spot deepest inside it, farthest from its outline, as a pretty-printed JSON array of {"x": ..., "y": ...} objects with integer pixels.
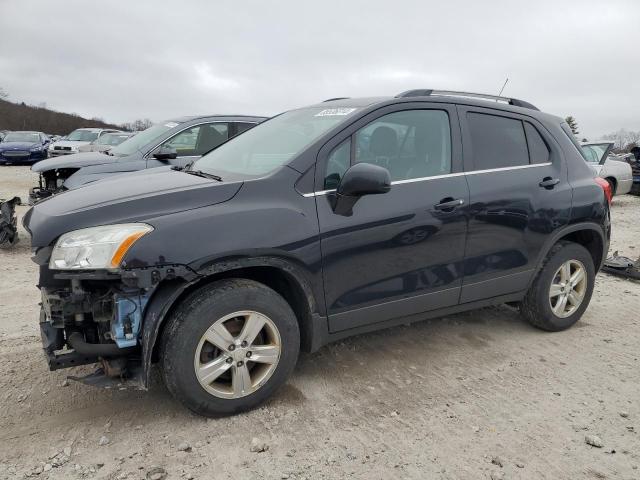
[
  {"x": 450, "y": 93},
  {"x": 336, "y": 98}
]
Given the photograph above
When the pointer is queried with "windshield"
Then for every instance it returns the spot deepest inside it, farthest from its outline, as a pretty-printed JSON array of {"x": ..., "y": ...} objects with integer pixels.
[
  {"x": 594, "y": 153},
  {"x": 112, "y": 139},
  {"x": 271, "y": 144},
  {"x": 22, "y": 137},
  {"x": 82, "y": 136},
  {"x": 141, "y": 139}
]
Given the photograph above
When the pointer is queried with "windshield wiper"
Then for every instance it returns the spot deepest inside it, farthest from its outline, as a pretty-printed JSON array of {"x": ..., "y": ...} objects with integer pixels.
[{"x": 200, "y": 173}]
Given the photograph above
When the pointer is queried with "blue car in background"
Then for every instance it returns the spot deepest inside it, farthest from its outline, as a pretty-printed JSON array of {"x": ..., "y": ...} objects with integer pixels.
[{"x": 23, "y": 147}]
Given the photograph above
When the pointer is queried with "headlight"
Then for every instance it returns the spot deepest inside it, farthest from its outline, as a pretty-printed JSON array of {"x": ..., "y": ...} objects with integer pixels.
[
  {"x": 96, "y": 247},
  {"x": 36, "y": 149}
]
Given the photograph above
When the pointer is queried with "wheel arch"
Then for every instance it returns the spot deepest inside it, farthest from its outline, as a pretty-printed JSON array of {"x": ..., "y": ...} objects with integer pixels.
[
  {"x": 589, "y": 235},
  {"x": 281, "y": 275}
]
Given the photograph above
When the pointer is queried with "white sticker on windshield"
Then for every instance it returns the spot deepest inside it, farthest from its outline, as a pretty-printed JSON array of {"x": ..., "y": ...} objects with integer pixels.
[
  {"x": 170, "y": 124},
  {"x": 331, "y": 112}
]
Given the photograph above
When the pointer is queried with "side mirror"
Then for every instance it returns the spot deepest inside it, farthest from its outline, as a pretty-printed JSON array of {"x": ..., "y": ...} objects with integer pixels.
[
  {"x": 165, "y": 153},
  {"x": 359, "y": 180}
]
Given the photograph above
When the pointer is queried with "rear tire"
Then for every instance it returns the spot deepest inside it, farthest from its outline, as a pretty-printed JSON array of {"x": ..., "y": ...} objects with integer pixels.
[
  {"x": 556, "y": 299},
  {"x": 210, "y": 360}
]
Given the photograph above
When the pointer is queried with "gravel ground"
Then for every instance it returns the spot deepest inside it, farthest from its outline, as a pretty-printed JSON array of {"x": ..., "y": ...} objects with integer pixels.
[{"x": 476, "y": 395}]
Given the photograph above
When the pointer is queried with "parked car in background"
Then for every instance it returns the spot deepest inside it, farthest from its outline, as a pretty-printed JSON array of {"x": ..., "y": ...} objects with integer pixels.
[
  {"x": 174, "y": 142},
  {"x": 296, "y": 234},
  {"x": 106, "y": 142},
  {"x": 634, "y": 162},
  {"x": 616, "y": 172},
  {"x": 72, "y": 142},
  {"x": 23, "y": 147}
]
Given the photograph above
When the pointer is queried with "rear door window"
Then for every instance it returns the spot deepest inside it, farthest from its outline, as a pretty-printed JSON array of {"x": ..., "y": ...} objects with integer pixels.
[
  {"x": 243, "y": 127},
  {"x": 210, "y": 136},
  {"x": 497, "y": 142}
]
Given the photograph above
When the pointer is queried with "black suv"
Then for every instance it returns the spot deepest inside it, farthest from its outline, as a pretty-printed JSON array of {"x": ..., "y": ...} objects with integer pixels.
[{"x": 320, "y": 223}]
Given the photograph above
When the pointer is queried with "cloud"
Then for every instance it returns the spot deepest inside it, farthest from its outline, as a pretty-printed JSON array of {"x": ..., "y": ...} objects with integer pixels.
[
  {"x": 208, "y": 80},
  {"x": 125, "y": 60}
]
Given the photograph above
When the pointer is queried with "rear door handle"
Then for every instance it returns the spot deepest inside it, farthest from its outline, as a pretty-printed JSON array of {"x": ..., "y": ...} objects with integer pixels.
[
  {"x": 549, "y": 183},
  {"x": 448, "y": 204}
]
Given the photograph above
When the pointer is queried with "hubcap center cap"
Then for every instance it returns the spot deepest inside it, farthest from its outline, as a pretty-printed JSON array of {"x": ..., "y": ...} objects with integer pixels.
[{"x": 239, "y": 353}]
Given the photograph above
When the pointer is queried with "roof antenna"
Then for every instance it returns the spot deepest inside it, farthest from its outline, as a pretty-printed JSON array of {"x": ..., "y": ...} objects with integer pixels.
[{"x": 502, "y": 89}]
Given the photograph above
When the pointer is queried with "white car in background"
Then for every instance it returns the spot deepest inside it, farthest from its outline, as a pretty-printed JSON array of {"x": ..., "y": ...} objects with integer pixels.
[
  {"x": 106, "y": 142},
  {"x": 72, "y": 142},
  {"x": 616, "y": 172}
]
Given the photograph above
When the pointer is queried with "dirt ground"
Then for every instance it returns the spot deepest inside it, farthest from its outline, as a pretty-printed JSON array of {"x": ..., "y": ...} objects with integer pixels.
[{"x": 472, "y": 396}]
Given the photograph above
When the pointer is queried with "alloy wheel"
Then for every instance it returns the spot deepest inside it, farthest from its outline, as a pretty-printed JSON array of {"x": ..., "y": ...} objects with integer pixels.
[
  {"x": 568, "y": 288},
  {"x": 237, "y": 354}
]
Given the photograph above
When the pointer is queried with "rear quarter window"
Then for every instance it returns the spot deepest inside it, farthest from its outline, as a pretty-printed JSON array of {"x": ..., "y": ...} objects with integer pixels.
[{"x": 538, "y": 149}]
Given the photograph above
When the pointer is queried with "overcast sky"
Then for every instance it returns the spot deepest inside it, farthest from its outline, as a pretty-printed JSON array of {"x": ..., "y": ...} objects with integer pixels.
[{"x": 122, "y": 60}]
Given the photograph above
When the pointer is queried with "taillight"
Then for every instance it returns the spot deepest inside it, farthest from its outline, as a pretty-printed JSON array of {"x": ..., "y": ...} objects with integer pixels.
[{"x": 606, "y": 187}]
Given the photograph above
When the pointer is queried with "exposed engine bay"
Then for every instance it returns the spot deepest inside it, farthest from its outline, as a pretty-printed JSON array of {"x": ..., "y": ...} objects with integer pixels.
[
  {"x": 97, "y": 317},
  {"x": 50, "y": 182}
]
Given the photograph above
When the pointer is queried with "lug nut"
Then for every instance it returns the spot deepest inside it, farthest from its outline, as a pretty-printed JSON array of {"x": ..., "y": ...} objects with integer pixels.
[
  {"x": 240, "y": 363},
  {"x": 229, "y": 360},
  {"x": 232, "y": 347},
  {"x": 248, "y": 354},
  {"x": 243, "y": 344}
]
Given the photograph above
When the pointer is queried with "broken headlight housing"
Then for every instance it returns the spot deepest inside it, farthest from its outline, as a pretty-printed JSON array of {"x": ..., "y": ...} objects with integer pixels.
[{"x": 94, "y": 248}]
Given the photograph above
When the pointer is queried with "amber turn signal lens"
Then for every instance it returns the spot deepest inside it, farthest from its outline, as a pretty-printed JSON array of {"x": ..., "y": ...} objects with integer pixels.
[{"x": 124, "y": 247}]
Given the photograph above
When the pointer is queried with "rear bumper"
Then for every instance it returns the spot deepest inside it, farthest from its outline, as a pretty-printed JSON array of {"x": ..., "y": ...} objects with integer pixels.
[{"x": 624, "y": 186}]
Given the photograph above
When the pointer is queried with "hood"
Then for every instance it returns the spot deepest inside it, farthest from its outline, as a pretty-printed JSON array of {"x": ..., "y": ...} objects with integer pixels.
[
  {"x": 19, "y": 145},
  {"x": 135, "y": 198},
  {"x": 75, "y": 160}
]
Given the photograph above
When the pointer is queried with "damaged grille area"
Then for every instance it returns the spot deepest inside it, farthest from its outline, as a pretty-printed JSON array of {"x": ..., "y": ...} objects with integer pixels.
[
  {"x": 97, "y": 317},
  {"x": 50, "y": 183}
]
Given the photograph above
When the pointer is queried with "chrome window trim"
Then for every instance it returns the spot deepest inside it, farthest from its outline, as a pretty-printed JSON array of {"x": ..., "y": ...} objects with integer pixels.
[
  {"x": 447, "y": 175},
  {"x": 504, "y": 169}
]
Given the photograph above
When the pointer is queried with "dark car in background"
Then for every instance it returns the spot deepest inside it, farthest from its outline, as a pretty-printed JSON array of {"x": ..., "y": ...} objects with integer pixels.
[
  {"x": 23, "y": 147},
  {"x": 106, "y": 142},
  {"x": 173, "y": 142},
  {"x": 323, "y": 222}
]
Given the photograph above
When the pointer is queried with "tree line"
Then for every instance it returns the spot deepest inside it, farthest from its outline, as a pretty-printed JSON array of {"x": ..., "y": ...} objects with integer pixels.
[
  {"x": 623, "y": 140},
  {"x": 20, "y": 116}
]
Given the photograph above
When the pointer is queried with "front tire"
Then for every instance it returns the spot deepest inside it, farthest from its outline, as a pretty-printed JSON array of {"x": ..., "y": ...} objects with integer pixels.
[
  {"x": 228, "y": 346},
  {"x": 562, "y": 289}
]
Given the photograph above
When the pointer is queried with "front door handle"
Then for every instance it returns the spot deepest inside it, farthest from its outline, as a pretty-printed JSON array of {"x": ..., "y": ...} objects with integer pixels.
[
  {"x": 549, "y": 183},
  {"x": 448, "y": 204}
]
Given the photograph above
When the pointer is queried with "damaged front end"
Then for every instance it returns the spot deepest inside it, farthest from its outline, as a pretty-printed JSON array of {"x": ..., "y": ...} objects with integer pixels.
[
  {"x": 93, "y": 318},
  {"x": 97, "y": 317},
  {"x": 50, "y": 182},
  {"x": 92, "y": 307}
]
